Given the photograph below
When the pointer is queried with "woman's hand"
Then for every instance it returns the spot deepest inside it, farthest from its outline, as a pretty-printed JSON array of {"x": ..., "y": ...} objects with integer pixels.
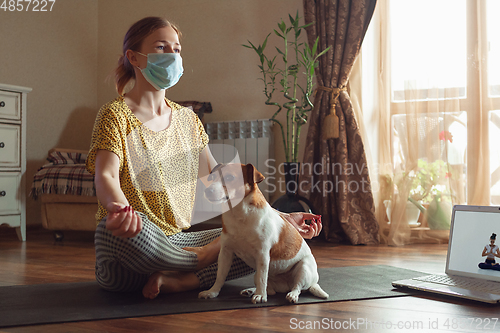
[
  {"x": 123, "y": 220},
  {"x": 298, "y": 220}
]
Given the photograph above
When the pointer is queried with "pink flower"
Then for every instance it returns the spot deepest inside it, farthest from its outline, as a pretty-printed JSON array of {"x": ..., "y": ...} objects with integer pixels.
[
  {"x": 448, "y": 175},
  {"x": 446, "y": 135}
]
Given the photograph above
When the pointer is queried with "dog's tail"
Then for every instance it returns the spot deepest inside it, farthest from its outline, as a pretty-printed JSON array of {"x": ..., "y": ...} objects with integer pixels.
[{"x": 317, "y": 291}]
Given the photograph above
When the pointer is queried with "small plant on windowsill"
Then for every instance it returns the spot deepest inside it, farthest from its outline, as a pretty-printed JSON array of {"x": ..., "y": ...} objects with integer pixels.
[
  {"x": 429, "y": 181},
  {"x": 429, "y": 189},
  {"x": 428, "y": 193}
]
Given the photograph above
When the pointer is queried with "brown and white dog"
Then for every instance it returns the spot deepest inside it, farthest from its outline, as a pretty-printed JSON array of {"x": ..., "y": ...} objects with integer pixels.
[{"x": 256, "y": 233}]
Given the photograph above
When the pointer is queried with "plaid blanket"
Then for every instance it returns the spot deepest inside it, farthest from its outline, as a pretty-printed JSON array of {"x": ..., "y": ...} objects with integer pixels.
[{"x": 66, "y": 174}]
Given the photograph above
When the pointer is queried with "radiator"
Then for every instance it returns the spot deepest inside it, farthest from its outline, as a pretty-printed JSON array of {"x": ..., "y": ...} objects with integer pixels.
[{"x": 249, "y": 141}]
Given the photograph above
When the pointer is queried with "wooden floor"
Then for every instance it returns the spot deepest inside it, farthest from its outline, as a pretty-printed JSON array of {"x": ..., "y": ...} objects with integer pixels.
[{"x": 40, "y": 260}]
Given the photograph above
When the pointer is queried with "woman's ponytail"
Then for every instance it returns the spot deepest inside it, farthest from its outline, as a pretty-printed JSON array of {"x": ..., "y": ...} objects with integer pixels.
[{"x": 124, "y": 72}]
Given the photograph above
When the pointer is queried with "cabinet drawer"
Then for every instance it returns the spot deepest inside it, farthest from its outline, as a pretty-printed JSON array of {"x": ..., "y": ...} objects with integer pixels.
[
  {"x": 11, "y": 220},
  {"x": 10, "y": 136},
  {"x": 10, "y": 106},
  {"x": 10, "y": 200}
]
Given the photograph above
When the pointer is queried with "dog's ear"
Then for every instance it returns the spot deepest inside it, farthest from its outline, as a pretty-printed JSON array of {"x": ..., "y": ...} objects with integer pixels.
[{"x": 253, "y": 174}]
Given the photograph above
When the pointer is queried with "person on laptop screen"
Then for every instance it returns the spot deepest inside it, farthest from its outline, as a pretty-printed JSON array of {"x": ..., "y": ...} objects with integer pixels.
[{"x": 490, "y": 251}]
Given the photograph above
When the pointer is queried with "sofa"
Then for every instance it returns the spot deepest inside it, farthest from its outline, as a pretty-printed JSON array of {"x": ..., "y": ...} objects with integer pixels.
[{"x": 66, "y": 191}]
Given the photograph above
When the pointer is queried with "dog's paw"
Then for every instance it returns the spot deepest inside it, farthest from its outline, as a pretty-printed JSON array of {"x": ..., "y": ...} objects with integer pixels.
[
  {"x": 259, "y": 299},
  {"x": 248, "y": 292},
  {"x": 208, "y": 294},
  {"x": 292, "y": 297}
]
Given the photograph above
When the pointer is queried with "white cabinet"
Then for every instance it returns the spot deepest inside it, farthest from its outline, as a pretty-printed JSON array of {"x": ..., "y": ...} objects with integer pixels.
[{"x": 13, "y": 157}]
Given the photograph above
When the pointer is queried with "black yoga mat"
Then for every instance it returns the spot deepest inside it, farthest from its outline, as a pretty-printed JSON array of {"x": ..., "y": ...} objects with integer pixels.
[{"x": 68, "y": 302}]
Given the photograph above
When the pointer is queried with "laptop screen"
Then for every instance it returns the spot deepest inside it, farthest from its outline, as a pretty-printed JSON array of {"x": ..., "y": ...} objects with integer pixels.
[{"x": 472, "y": 251}]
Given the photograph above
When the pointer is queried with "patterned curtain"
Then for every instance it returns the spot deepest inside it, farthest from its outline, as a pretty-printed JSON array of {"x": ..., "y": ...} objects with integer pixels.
[{"x": 334, "y": 165}]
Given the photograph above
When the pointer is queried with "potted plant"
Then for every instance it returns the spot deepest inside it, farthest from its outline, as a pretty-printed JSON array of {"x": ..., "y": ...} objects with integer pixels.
[
  {"x": 428, "y": 193},
  {"x": 291, "y": 70},
  {"x": 297, "y": 60},
  {"x": 429, "y": 180},
  {"x": 429, "y": 189}
]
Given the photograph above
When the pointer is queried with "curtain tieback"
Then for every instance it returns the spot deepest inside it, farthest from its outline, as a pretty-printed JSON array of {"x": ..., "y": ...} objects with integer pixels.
[{"x": 331, "y": 126}]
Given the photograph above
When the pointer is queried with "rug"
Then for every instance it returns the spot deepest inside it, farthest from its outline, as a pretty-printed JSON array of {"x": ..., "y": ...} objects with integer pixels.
[{"x": 82, "y": 301}]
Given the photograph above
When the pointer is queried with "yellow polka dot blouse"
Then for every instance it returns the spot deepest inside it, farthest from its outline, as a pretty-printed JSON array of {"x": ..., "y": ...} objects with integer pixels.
[{"x": 158, "y": 170}]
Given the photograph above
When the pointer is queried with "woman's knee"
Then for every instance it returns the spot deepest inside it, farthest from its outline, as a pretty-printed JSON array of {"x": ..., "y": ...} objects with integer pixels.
[{"x": 112, "y": 276}]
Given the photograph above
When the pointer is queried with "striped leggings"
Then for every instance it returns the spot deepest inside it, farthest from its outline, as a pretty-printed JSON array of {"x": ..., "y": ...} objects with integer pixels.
[{"x": 125, "y": 264}]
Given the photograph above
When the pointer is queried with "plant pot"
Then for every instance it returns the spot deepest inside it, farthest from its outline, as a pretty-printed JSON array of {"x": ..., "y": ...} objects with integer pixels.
[
  {"x": 412, "y": 213},
  {"x": 291, "y": 201},
  {"x": 438, "y": 214}
]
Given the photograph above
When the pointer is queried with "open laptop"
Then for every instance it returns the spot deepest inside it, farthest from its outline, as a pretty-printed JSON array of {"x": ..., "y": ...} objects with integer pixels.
[{"x": 470, "y": 231}]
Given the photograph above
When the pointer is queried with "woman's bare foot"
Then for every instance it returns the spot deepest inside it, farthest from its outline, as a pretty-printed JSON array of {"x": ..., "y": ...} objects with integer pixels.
[
  {"x": 153, "y": 286},
  {"x": 207, "y": 254},
  {"x": 169, "y": 282}
]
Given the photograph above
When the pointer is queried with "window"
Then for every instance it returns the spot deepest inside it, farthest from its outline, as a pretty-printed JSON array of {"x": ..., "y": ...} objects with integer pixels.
[
  {"x": 445, "y": 59},
  {"x": 493, "y": 28},
  {"x": 428, "y": 49}
]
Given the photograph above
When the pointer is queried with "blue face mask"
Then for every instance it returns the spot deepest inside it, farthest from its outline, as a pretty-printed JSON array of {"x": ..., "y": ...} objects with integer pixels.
[{"x": 163, "y": 69}]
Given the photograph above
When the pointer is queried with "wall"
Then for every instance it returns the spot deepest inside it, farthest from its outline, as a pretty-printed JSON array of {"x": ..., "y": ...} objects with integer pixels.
[
  {"x": 55, "y": 53},
  {"x": 67, "y": 55}
]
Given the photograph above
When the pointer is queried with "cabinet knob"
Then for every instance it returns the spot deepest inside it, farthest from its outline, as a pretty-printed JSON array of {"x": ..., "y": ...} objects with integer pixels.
[
  {"x": 2, "y": 193},
  {"x": 2, "y": 144},
  {"x": 2, "y": 104}
]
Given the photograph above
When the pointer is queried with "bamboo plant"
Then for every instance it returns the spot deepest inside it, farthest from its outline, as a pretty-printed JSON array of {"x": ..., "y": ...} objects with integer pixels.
[{"x": 296, "y": 56}]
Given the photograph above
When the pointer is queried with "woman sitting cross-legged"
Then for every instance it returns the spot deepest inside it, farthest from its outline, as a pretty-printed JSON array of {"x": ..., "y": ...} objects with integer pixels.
[{"x": 147, "y": 153}]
